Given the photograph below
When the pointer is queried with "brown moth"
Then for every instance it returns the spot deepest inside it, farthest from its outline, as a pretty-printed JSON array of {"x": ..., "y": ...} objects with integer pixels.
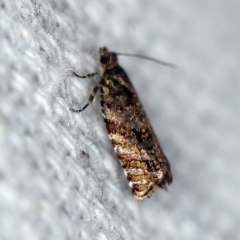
[{"x": 133, "y": 139}]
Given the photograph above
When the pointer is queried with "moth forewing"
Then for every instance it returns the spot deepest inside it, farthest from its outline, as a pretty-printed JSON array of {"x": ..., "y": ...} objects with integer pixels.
[{"x": 133, "y": 139}]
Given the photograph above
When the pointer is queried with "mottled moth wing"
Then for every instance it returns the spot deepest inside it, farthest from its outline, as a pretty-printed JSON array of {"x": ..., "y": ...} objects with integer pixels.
[{"x": 132, "y": 136}]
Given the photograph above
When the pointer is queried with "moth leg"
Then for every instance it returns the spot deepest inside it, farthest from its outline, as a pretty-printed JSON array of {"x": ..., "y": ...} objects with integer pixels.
[
  {"x": 92, "y": 94},
  {"x": 150, "y": 188},
  {"x": 86, "y": 76},
  {"x": 147, "y": 193},
  {"x": 90, "y": 99}
]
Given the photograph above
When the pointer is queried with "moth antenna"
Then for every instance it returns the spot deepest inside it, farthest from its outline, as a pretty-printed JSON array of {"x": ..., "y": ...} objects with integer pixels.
[{"x": 148, "y": 58}]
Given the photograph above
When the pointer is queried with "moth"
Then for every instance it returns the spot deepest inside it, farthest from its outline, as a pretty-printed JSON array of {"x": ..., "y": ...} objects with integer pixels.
[{"x": 132, "y": 136}]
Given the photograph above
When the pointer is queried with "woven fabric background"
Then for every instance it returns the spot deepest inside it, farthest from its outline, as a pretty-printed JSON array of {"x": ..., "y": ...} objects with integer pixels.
[{"x": 59, "y": 176}]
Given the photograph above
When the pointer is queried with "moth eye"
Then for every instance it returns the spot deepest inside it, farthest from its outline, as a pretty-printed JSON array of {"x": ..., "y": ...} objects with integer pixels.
[{"x": 104, "y": 59}]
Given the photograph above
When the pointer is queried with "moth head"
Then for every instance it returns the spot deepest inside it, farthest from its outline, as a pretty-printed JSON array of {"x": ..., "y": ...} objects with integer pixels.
[{"x": 107, "y": 59}]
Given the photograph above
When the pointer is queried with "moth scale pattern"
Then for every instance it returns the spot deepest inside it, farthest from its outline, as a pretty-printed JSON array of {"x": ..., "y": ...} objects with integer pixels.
[{"x": 133, "y": 139}]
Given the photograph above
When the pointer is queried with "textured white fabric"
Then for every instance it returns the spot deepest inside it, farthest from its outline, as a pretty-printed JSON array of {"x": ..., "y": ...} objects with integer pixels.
[{"x": 48, "y": 188}]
